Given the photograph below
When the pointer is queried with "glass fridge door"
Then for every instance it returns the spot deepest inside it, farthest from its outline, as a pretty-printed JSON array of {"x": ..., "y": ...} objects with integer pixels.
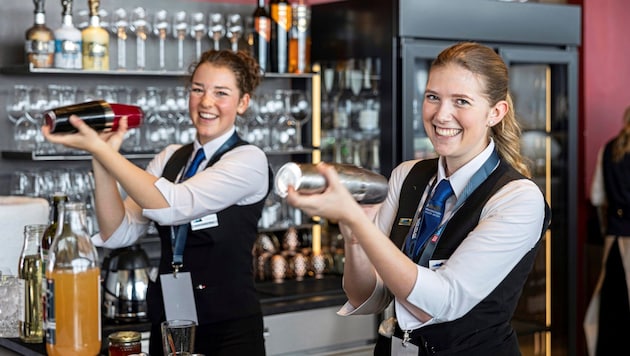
[
  {"x": 543, "y": 85},
  {"x": 417, "y": 57}
]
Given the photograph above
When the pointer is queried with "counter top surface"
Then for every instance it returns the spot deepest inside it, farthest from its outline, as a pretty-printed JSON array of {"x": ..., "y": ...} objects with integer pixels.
[{"x": 275, "y": 298}]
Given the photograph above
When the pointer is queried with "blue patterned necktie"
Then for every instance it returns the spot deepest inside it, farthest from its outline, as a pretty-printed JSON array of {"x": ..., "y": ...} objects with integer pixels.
[
  {"x": 199, "y": 156},
  {"x": 431, "y": 217}
]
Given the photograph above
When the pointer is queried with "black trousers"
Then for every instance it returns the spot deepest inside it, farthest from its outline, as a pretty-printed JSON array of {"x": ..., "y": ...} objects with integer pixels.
[
  {"x": 227, "y": 338},
  {"x": 614, "y": 310}
]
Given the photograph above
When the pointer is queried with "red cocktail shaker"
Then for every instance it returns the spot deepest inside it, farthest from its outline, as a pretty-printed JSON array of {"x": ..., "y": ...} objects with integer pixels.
[{"x": 98, "y": 114}]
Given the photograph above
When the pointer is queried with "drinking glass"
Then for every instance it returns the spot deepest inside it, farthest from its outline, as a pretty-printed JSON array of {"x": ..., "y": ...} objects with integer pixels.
[
  {"x": 161, "y": 27},
  {"x": 216, "y": 28},
  {"x": 18, "y": 103},
  {"x": 120, "y": 26},
  {"x": 300, "y": 109},
  {"x": 140, "y": 26},
  {"x": 9, "y": 305},
  {"x": 178, "y": 337},
  {"x": 198, "y": 30},
  {"x": 234, "y": 30},
  {"x": 180, "y": 29}
]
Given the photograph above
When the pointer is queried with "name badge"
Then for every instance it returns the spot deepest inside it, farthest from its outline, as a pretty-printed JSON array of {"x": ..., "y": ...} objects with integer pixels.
[
  {"x": 400, "y": 348},
  {"x": 179, "y": 301},
  {"x": 405, "y": 221},
  {"x": 205, "y": 222}
]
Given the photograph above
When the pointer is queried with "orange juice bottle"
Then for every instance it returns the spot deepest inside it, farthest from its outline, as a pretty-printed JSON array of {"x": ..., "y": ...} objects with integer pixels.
[{"x": 72, "y": 312}]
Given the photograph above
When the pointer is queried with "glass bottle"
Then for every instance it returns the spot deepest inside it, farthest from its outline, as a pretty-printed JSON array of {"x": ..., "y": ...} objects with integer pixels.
[
  {"x": 95, "y": 41},
  {"x": 51, "y": 230},
  {"x": 300, "y": 39},
  {"x": 68, "y": 41},
  {"x": 31, "y": 270},
  {"x": 280, "y": 11},
  {"x": 262, "y": 35},
  {"x": 40, "y": 40},
  {"x": 72, "y": 314}
]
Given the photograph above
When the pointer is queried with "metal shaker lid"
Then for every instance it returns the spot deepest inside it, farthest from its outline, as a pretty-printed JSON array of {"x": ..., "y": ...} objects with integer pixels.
[{"x": 289, "y": 174}]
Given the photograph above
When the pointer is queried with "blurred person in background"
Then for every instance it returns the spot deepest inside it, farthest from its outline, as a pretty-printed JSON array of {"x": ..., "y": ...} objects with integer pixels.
[{"x": 607, "y": 320}]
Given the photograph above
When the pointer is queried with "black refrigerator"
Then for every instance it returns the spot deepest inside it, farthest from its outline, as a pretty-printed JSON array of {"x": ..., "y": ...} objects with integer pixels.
[{"x": 539, "y": 42}]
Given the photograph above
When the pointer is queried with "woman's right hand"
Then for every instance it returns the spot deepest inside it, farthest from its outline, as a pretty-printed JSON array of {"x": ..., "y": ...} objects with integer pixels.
[{"x": 335, "y": 203}]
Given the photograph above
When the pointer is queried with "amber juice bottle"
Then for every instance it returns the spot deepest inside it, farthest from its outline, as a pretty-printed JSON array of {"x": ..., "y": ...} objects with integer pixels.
[{"x": 40, "y": 40}]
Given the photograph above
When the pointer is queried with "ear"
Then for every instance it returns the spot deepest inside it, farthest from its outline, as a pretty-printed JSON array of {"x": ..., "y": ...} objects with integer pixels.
[
  {"x": 243, "y": 104},
  {"x": 497, "y": 113}
]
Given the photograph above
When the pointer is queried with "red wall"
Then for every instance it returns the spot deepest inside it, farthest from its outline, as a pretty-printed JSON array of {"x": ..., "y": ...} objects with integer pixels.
[{"x": 605, "y": 77}]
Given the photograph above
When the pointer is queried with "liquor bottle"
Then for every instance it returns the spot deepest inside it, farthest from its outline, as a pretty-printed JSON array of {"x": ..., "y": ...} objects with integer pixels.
[
  {"x": 51, "y": 230},
  {"x": 370, "y": 103},
  {"x": 300, "y": 39},
  {"x": 72, "y": 312},
  {"x": 280, "y": 11},
  {"x": 40, "y": 40},
  {"x": 68, "y": 54},
  {"x": 98, "y": 114},
  {"x": 95, "y": 41},
  {"x": 262, "y": 36},
  {"x": 31, "y": 270}
]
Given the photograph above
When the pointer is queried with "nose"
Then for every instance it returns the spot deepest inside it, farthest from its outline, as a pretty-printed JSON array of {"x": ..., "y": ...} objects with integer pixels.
[
  {"x": 206, "y": 99},
  {"x": 443, "y": 111}
]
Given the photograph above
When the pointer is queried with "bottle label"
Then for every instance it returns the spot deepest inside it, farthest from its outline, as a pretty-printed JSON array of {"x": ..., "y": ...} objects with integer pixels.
[
  {"x": 49, "y": 313},
  {"x": 263, "y": 28},
  {"x": 95, "y": 56},
  {"x": 40, "y": 53},
  {"x": 68, "y": 54}
]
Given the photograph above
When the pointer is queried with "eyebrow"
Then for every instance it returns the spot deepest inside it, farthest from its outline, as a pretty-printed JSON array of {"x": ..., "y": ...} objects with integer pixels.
[{"x": 215, "y": 87}]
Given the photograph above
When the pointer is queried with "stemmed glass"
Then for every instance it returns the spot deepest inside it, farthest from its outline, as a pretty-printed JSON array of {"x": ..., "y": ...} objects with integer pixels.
[
  {"x": 161, "y": 27},
  {"x": 216, "y": 28},
  {"x": 198, "y": 30},
  {"x": 141, "y": 27},
  {"x": 18, "y": 103},
  {"x": 120, "y": 25},
  {"x": 300, "y": 109},
  {"x": 180, "y": 29},
  {"x": 234, "y": 29}
]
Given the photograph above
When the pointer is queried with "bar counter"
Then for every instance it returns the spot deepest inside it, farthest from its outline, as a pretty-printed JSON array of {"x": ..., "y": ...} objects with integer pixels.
[{"x": 275, "y": 298}]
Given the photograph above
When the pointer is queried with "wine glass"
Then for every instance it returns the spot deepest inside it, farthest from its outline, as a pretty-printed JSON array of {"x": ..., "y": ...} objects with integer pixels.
[
  {"x": 216, "y": 28},
  {"x": 161, "y": 27},
  {"x": 141, "y": 27},
  {"x": 300, "y": 109},
  {"x": 18, "y": 102},
  {"x": 198, "y": 30},
  {"x": 234, "y": 30},
  {"x": 120, "y": 25},
  {"x": 180, "y": 29}
]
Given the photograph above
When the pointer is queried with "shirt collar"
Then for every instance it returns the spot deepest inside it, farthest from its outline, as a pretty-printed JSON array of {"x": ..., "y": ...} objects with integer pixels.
[
  {"x": 211, "y": 147},
  {"x": 462, "y": 176}
]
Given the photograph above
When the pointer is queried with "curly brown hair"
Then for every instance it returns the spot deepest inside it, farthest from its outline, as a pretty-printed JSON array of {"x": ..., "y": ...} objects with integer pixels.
[
  {"x": 246, "y": 69},
  {"x": 492, "y": 70}
]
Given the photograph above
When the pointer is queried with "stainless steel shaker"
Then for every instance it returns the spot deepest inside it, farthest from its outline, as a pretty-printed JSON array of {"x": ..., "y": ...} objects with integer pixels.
[{"x": 366, "y": 187}]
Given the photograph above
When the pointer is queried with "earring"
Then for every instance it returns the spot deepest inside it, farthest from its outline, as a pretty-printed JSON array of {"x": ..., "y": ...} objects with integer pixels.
[{"x": 490, "y": 123}]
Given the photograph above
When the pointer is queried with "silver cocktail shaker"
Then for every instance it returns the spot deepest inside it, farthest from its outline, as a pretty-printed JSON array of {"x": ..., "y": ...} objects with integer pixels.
[{"x": 366, "y": 187}]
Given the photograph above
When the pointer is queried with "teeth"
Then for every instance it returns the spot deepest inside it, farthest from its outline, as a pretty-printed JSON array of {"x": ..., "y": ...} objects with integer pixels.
[
  {"x": 446, "y": 132},
  {"x": 206, "y": 115}
]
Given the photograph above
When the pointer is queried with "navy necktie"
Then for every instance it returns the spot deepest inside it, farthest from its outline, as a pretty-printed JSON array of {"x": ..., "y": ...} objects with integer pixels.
[
  {"x": 431, "y": 217},
  {"x": 194, "y": 165}
]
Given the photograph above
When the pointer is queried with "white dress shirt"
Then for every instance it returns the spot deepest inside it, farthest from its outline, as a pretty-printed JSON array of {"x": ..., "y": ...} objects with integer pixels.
[
  {"x": 240, "y": 177},
  {"x": 509, "y": 226}
]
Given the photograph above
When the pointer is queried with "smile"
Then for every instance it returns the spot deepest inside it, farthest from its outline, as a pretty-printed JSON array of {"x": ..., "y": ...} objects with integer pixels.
[
  {"x": 447, "y": 132},
  {"x": 207, "y": 116}
]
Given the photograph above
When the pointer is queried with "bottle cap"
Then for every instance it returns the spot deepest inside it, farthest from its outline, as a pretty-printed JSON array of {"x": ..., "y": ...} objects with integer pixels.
[{"x": 124, "y": 337}]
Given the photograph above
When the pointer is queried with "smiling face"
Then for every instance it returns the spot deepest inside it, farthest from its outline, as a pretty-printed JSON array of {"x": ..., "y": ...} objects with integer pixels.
[
  {"x": 457, "y": 114},
  {"x": 214, "y": 101}
]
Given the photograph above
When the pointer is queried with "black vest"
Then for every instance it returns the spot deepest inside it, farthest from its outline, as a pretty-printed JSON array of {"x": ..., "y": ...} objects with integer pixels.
[
  {"x": 218, "y": 258},
  {"x": 486, "y": 327},
  {"x": 617, "y": 186}
]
